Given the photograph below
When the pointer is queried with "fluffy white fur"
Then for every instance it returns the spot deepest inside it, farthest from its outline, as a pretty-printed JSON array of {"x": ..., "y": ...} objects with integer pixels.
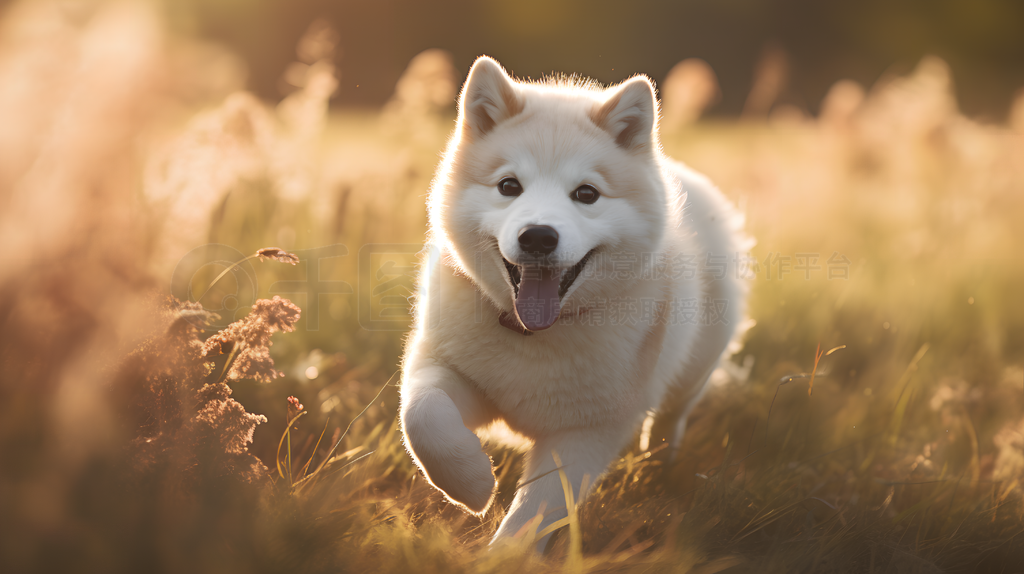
[{"x": 581, "y": 387}]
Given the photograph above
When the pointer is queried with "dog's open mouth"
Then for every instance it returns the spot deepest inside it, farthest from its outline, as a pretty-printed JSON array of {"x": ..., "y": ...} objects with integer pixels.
[{"x": 539, "y": 289}]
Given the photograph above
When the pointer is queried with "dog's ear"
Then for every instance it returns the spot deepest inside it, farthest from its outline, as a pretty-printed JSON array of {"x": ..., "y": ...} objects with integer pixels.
[
  {"x": 488, "y": 98},
  {"x": 629, "y": 113}
]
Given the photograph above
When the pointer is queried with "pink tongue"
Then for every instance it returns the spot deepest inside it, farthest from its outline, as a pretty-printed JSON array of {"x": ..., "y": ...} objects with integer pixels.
[{"x": 537, "y": 302}]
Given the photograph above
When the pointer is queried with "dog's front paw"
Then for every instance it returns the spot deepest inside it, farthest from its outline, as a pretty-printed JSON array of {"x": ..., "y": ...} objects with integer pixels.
[
  {"x": 450, "y": 454},
  {"x": 468, "y": 481}
]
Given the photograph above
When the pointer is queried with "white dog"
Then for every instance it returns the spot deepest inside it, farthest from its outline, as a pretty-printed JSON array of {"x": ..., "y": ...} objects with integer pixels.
[{"x": 577, "y": 280}]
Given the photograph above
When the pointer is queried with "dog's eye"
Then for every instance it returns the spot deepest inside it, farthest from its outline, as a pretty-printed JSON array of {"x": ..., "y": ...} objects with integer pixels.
[
  {"x": 510, "y": 187},
  {"x": 585, "y": 194}
]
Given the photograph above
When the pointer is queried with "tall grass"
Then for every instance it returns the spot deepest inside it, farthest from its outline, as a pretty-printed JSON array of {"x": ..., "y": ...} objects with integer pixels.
[{"x": 128, "y": 423}]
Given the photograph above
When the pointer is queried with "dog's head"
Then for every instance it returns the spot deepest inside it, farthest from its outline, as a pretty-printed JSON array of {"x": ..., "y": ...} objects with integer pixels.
[{"x": 549, "y": 191}]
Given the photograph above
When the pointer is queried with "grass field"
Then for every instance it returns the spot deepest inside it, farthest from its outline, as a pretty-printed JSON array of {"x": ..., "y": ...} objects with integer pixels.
[{"x": 888, "y": 229}]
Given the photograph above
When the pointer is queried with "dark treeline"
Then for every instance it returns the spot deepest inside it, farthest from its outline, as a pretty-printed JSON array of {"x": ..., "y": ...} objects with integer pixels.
[{"x": 821, "y": 42}]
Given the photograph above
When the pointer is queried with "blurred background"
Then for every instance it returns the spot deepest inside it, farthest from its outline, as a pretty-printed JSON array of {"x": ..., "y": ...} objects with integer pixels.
[
  {"x": 816, "y": 43},
  {"x": 160, "y": 410}
]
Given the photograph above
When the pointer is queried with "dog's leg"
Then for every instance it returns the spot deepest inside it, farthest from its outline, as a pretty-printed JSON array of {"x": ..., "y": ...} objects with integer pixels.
[
  {"x": 583, "y": 452},
  {"x": 439, "y": 411},
  {"x": 712, "y": 341},
  {"x": 675, "y": 439},
  {"x": 679, "y": 425}
]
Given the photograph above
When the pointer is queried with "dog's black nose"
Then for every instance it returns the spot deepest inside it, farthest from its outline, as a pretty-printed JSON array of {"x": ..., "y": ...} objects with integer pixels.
[{"x": 538, "y": 239}]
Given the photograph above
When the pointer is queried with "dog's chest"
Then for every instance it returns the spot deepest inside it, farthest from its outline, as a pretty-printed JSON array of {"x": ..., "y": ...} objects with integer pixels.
[{"x": 568, "y": 377}]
